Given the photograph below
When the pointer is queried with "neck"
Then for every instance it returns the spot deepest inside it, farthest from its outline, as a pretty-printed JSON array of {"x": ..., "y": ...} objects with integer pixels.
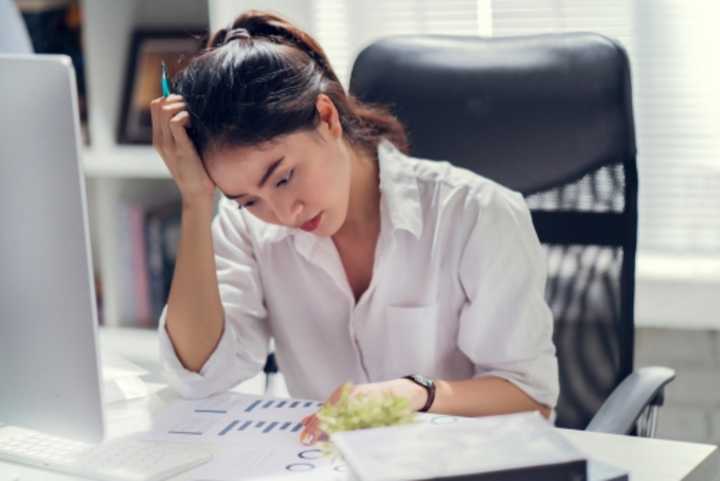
[{"x": 363, "y": 216}]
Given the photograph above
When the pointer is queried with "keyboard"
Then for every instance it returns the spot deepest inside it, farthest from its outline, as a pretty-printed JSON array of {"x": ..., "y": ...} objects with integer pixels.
[{"x": 114, "y": 460}]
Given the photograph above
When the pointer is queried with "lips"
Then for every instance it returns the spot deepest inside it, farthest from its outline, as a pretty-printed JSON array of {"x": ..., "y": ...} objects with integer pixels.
[{"x": 312, "y": 223}]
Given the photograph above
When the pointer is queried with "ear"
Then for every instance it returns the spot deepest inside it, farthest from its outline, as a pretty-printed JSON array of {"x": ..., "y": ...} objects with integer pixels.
[{"x": 329, "y": 116}]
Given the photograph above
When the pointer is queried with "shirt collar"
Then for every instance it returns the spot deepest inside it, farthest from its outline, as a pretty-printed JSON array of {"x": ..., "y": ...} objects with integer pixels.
[
  {"x": 399, "y": 199},
  {"x": 399, "y": 193}
]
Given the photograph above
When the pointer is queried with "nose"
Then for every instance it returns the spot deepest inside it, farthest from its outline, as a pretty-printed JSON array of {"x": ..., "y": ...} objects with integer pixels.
[{"x": 290, "y": 215}]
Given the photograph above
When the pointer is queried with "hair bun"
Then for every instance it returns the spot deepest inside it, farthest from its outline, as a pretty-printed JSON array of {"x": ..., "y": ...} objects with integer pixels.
[
  {"x": 237, "y": 33},
  {"x": 258, "y": 24}
]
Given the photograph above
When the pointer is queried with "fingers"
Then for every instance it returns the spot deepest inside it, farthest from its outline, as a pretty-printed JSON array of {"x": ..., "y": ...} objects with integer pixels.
[
  {"x": 178, "y": 123},
  {"x": 312, "y": 432},
  {"x": 170, "y": 120},
  {"x": 167, "y": 112},
  {"x": 162, "y": 110},
  {"x": 169, "y": 128},
  {"x": 156, "y": 134},
  {"x": 335, "y": 396}
]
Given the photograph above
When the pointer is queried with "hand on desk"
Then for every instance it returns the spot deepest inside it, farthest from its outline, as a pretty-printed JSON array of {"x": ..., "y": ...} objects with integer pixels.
[{"x": 399, "y": 387}]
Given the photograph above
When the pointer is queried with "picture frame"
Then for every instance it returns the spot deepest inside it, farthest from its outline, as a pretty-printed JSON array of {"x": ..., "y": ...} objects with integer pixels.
[{"x": 142, "y": 76}]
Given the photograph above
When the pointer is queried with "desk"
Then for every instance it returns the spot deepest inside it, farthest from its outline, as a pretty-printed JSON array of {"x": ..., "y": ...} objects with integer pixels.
[{"x": 646, "y": 459}]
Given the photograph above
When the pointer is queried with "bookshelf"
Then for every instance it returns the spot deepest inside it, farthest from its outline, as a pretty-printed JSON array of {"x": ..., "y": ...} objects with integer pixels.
[
  {"x": 124, "y": 161},
  {"x": 120, "y": 176}
]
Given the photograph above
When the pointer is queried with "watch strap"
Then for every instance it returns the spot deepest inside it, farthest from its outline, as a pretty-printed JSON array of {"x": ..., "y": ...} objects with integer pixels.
[{"x": 429, "y": 387}]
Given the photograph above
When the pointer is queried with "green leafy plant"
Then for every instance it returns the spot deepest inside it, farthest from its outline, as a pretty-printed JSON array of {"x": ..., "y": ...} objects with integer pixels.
[
  {"x": 363, "y": 411},
  {"x": 360, "y": 412}
]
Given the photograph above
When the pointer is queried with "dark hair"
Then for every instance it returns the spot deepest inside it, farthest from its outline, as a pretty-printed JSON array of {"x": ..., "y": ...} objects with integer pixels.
[{"x": 260, "y": 78}]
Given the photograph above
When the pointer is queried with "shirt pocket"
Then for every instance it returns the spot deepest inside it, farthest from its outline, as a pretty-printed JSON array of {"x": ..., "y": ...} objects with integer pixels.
[{"x": 411, "y": 341}]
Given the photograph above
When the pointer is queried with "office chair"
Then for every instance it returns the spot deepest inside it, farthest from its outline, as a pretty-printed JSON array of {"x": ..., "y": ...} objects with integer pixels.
[{"x": 549, "y": 116}]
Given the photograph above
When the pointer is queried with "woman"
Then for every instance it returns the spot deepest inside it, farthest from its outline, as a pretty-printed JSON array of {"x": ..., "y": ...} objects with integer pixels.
[{"x": 362, "y": 263}]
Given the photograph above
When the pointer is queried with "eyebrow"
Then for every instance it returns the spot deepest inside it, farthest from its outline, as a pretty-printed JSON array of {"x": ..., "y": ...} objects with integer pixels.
[{"x": 268, "y": 174}]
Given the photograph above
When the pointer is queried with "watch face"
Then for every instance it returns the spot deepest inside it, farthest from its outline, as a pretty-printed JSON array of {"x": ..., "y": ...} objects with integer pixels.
[{"x": 427, "y": 382}]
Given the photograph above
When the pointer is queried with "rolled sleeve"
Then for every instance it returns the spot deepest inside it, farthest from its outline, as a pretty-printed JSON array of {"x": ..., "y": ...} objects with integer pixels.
[
  {"x": 506, "y": 325},
  {"x": 244, "y": 344}
]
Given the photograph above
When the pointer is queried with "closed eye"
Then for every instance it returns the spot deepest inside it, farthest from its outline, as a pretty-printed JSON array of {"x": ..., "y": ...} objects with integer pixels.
[
  {"x": 285, "y": 180},
  {"x": 281, "y": 183}
]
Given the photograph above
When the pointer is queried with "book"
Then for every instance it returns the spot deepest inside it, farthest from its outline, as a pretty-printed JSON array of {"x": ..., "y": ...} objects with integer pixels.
[
  {"x": 162, "y": 234},
  {"x": 140, "y": 273},
  {"x": 510, "y": 447}
]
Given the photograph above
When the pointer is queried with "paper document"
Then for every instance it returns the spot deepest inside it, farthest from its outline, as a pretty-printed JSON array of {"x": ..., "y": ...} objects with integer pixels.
[
  {"x": 114, "y": 366},
  {"x": 121, "y": 378},
  {"x": 258, "y": 436}
]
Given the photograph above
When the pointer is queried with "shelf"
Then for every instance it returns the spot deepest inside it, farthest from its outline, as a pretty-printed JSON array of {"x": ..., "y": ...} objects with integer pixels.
[{"x": 126, "y": 161}]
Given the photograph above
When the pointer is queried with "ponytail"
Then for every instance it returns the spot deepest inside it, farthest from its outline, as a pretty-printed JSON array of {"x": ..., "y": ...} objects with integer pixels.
[{"x": 260, "y": 77}]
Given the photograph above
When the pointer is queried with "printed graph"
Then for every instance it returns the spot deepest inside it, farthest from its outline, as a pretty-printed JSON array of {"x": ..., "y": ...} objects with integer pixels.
[
  {"x": 224, "y": 417},
  {"x": 261, "y": 427},
  {"x": 280, "y": 403},
  {"x": 266, "y": 429}
]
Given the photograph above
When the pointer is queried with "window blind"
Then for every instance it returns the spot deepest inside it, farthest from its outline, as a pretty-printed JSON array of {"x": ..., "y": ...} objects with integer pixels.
[
  {"x": 345, "y": 27},
  {"x": 676, "y": 105},
  {"x": 675, "y": 73}
]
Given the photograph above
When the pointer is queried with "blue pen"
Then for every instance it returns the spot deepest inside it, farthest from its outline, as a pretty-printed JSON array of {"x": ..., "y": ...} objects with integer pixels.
[{"x": 164, "y": 84}]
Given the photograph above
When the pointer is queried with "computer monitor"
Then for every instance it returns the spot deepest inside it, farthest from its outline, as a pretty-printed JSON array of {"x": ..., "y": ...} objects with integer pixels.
[
  {"x": 14, "y": 37},
  {"x": 49, "y": 368}
]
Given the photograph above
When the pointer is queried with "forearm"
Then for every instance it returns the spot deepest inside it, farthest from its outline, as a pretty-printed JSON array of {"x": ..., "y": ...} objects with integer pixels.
[
  {"x": 478, "y": 397},
  {"x": 195, "y": 316}
]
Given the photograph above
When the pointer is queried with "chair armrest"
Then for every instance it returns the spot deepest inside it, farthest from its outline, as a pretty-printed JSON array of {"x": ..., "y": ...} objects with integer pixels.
[{"x": 622, "y": 408}]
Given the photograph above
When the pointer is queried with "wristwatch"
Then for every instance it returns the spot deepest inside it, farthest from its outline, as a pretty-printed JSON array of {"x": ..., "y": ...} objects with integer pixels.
[{"x": 429, "y": 386}]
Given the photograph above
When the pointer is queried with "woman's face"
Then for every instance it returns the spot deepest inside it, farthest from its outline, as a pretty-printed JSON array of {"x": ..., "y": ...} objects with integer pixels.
[{"x": 292, "y": 180}]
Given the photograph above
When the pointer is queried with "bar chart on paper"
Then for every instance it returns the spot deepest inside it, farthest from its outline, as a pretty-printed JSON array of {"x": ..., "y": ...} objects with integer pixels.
[
  {"x": 233, "y": 417},
  {"x": 264, "y": 427},
  {"x": 257, "y": 436},
  {"x": 281, "y": 403}
]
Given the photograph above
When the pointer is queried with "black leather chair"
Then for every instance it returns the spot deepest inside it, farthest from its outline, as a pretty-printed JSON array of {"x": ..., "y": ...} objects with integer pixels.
[{"x": 549, "y": 116}]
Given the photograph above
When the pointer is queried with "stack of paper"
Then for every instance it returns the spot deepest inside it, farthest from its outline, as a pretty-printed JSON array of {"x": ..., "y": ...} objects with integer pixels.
[{"x": 121, "y": 378}]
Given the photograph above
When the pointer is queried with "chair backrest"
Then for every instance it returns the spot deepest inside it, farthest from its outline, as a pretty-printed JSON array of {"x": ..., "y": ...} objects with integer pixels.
[{"x": 549, "y": 116}]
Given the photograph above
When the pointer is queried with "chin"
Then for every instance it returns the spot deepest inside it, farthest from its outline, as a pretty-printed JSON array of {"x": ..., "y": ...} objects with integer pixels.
[
  {"x": 328, "y": 227},
  {"x": 325, "y": 231}
]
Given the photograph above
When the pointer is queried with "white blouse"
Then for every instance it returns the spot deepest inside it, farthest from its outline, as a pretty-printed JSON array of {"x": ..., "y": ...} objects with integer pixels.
[{"x": 457, "y": 292}]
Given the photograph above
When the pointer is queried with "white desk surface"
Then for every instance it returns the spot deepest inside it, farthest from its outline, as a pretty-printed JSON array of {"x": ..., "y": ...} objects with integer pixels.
[{"x": 646, "y": 459}]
